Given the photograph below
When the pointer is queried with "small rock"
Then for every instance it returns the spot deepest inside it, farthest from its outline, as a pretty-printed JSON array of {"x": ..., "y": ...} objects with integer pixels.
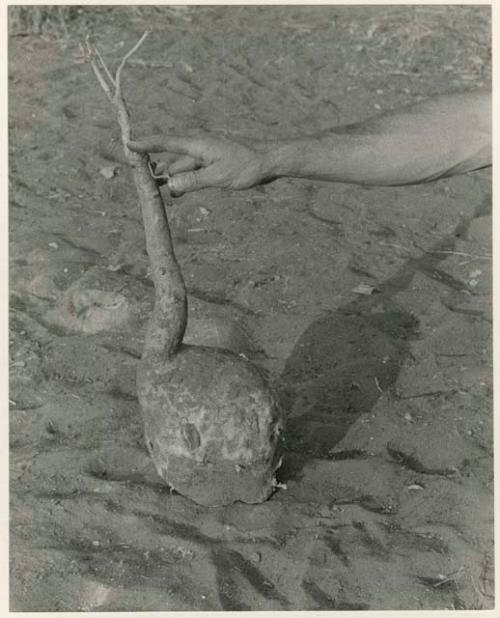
[
  {"x": 187, "y": 67},
  {"x": 109, "y": 171},
  {"x": 364, "y": 289},
  {"x": 256, "y": 557},
  {"x": 53, "y": 245}
]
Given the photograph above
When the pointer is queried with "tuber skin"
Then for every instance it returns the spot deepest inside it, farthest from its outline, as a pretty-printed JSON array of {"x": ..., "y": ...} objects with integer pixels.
[
  {"x": 211, "y": 421},
  {"x": 167, "y": 325}
]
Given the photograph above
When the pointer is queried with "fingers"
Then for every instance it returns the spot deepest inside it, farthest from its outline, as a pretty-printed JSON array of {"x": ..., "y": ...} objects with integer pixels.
[
  {"x": 184, "y": 164},
  {"x": 194, "y": 147},
  {"x": 191, "y": 181},
  {"x": 163, "y": 166},
  {"x": 158, "y": 168},
  {"x": 151, "y": 144}
]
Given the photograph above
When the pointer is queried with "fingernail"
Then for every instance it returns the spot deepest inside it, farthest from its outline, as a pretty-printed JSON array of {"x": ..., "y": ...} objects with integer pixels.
[{"x": 174, "y": 192}]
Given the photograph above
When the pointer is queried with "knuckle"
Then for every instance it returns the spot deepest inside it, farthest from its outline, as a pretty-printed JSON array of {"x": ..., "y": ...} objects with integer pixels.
[{"x": 193, "y": 178}]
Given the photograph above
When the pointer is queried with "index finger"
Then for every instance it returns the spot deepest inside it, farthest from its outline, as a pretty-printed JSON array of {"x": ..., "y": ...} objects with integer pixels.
[
  {"x": 150, "y": 144},
  {"x": 180, "y": 145}
]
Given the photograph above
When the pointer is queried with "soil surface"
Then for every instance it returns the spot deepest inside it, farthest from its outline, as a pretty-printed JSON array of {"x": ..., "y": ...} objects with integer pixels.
[{"x": 385, "y": 497}]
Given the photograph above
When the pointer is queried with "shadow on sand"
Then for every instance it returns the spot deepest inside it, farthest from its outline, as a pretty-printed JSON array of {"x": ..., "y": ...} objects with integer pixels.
[{"x": 345, "y": 360}]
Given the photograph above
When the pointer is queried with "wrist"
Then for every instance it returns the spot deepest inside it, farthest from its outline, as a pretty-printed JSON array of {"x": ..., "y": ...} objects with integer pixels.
[
  {"x": 293, "y": 157},
  {"x": 281, "y": 158}
]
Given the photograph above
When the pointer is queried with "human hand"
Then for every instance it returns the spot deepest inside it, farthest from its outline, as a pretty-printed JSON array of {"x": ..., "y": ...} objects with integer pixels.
[{"x": 206, "y": 161}]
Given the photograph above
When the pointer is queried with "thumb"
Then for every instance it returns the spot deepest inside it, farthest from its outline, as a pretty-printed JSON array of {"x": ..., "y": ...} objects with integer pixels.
[{"x": 191, "y": 181}]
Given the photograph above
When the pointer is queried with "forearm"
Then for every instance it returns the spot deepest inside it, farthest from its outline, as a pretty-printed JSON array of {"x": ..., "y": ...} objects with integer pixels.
[{"x": 440, "y": 137}]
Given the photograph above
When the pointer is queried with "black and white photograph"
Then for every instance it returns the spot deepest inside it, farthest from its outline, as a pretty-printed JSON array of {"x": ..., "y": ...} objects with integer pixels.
[{"x": 250, "y": 307}]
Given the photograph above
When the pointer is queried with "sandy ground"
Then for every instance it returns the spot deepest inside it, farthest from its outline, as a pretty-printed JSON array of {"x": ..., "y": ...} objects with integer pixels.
[{"x": 387, "y": 481}]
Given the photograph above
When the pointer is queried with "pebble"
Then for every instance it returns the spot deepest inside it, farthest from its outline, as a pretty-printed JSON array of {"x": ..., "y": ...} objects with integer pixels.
[
  {"x": 109, "y": 171},
  {"x": 53, "y": 245},
  {"x": 365, "y": 289}
]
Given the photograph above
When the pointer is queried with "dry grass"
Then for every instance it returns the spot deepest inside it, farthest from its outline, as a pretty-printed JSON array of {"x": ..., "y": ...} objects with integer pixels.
[{"x": 398, "y": 40}]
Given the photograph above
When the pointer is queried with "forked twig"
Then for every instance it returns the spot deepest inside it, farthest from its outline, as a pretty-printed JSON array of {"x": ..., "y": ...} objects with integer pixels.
[
  {"x": 112, "y": 85},
  {"x": 101, "y": 70}
]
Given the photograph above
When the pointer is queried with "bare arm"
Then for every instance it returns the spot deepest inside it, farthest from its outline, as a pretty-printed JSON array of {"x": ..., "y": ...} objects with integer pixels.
[
  {"x": 446, "y": 135},
  {"x": 443, "y": 136}
]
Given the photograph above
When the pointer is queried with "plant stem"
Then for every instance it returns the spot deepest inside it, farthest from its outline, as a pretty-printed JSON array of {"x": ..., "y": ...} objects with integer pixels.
[{"x": 167, "y": 325}]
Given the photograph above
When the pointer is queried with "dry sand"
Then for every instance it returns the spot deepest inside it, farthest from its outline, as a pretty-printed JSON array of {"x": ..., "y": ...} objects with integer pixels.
[{"x": 387, "y": 480}]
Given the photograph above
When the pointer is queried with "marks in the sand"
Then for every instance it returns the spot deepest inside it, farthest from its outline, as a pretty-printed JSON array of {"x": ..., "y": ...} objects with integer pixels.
[
  {"x": 121, "y": 349},
  {"x": 119, "y": 564},
  {"x": 321, "y": 599},
  {"x": 203, "y": 295},
  {"x": 335, "y": 547},
  {"x": 129, "y": 478},
  {"x": 404, "y": 541},
  {"x": 349, "y": 454},
  {"x": 231, "y": 568},
  {"x": 324, "y": 601},
  {"x": 23, "y": 306},
  {"x": 64, "y": 238},
  {"x": 117, "y": 393},
  {"x": 218, "y": 299},
  {"x": 189, "y": 532},
  {"x": 411, "y": 461}
]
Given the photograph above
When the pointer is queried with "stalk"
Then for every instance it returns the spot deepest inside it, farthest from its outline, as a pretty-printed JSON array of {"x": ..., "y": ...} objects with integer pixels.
[{"x": 167, "y": 324}]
